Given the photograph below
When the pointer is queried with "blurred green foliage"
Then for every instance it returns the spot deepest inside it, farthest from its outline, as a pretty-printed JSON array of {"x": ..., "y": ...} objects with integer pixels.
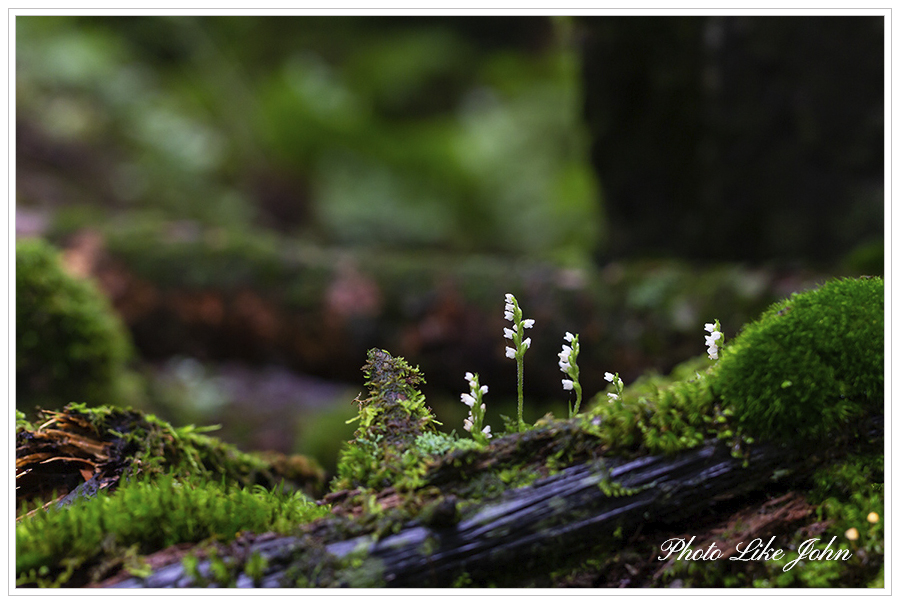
[
  {"x": 363, "y": 131},
  {"x": 70, "y": 346}
]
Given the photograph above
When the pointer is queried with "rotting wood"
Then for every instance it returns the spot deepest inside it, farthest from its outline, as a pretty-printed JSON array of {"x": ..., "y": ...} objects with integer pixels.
[{"x": 554, "y": 519}]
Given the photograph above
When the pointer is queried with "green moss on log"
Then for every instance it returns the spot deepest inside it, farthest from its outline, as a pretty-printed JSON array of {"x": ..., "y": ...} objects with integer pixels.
[
  {"x": 391, "y": 420},
  {"x": 810, "y": 363},
  {"x": 144, "y": 517}
]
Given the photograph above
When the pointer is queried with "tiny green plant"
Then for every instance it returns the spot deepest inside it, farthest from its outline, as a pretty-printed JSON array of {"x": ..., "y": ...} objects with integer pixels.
[
  {"x": 517, "y": 351},
  {"x": 472, "y": 399},
  {"x": 568, "y": 365},
  {"x": 714, "y": 340}
]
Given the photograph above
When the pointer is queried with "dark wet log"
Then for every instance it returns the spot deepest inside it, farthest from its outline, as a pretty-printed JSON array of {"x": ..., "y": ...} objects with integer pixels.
[{"x": 535, "y": 529}]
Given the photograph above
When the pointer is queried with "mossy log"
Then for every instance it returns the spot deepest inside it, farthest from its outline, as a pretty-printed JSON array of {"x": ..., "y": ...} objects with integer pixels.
[
  {"x": 534, "y": 529},
  {"x": 411, "y": 506}
]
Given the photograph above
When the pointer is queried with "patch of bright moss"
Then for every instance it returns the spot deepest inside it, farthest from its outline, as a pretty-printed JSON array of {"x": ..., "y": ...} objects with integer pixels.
[
  {"x": 806, "y": 367},
  {"x": 142, "y": 517},
  {"x": 810, "y": 363},
  {"x": 662, "y": 414}
]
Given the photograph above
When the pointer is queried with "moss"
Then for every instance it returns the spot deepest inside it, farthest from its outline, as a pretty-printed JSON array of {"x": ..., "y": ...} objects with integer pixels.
[
  {"x": 150, "y": 515},
  {"x": 663, "y": 415},
  {"x": 108, "y": 445},
  {"x": 810, "y": 363},
  {"x": 69, "y": 343},
  {"x": 391, "y": 419},
  {"x": 807, "y": 367}
]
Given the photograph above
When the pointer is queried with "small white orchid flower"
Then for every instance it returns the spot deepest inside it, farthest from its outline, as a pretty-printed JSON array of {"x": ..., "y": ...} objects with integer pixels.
[
  {"x": 712, "y": 340},
  {"x": 617, "y": 383},
  {"x": 472, "y": 399},
  {"x": 568, "y": 365}
]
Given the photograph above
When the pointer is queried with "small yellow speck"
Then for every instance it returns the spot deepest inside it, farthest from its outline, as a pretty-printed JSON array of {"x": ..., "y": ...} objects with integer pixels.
[
  {"x": 852, "y": 534},
  {"x": 872, "y": 517}
]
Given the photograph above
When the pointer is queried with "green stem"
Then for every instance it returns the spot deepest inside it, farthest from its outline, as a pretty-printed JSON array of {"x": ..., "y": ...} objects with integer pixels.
[
  {"x": 519, "y": 364},
  {"x": 577, "y": 398}
]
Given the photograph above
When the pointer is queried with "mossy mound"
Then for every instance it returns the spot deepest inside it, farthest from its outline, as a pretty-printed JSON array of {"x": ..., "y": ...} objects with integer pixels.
[
  {"x": 810, "y": 363},
  {"x": 391, "y": 419},
  {"x": 70, "y": 346}
]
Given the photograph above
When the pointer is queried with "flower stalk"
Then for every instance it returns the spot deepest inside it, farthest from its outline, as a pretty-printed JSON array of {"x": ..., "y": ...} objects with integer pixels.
[
  {"x": 616, "y": 381},
  {"x": 569, "y": 366},
  {"x": 714, "y": 340},
  {"x": 513, "y": 313},
  {"x": 474, "y": 422}
]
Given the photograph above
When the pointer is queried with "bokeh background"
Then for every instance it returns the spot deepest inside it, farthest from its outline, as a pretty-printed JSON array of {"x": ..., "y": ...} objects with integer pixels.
[{"x": 259, "y": 200}]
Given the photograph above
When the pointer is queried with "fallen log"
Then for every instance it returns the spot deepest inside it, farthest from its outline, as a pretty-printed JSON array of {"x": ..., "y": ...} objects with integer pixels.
[{"x": 530, "y": 529}]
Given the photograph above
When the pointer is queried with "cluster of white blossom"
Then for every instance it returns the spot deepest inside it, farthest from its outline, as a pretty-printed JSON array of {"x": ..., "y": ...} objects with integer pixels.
[
  {"x": 568, "y": 365},
  {"x": 712, "y": 340},
  {"x": 617, "y": 382},
  {"x": 472, "y": 399},
  {"x": 513, "y": 313}
]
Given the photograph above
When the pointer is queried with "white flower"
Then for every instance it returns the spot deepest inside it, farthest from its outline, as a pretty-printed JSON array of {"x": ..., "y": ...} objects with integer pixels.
[
  {"x": 564, "y": 367},
  {"x": 510, "y": 308},
  {"x": 508, "y": 316},
  {"x": 528, "y": 323},
  {"x": 467, "y": 424},
  {"x": 566, "y": 351},
  {"x": 612, "y": 396},
  {"x": 486, "y": 431},
  {"x": 468, "y": 399},
  {"x": 510, "y": 353},
  {"x": 568, "y": 384},
  {"x": 509, "y": 298},
  {"x": 484, "y": 389},
  {"x": 508, "y": 333},
  {"x": 712, "y": 338},
  {"x": 469, "y": 377},
  {"x": 526, "y": 343},
  {"x": 568, "y": 337},
  {"x": 608, "y": 376}
]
